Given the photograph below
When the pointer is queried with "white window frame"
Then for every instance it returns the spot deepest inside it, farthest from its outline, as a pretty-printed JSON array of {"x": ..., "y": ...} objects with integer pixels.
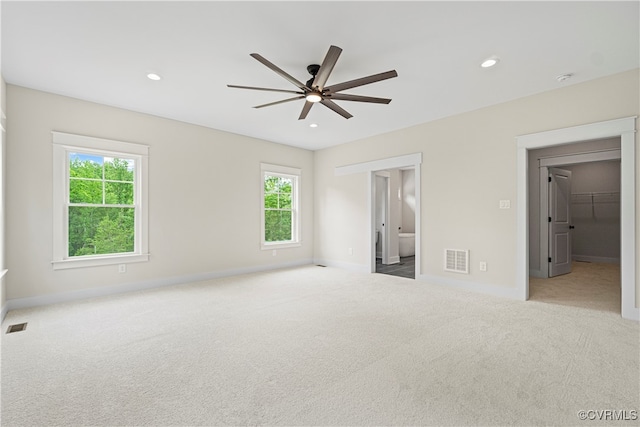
[
  {"x": 296, "y": 177},
  {"x": 63, "y": 144}
]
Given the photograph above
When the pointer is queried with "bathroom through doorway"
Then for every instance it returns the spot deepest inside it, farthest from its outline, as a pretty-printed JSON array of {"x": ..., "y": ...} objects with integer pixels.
[{"x": 395, "y": 222}]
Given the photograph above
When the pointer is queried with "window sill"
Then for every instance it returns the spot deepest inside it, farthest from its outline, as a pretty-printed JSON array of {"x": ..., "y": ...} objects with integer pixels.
[
  {"x": 269, "y": 246},
  {"x": 98, "y": 261}
]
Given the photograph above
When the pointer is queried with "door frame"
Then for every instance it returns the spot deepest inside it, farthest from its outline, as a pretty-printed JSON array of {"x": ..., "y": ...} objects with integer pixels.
[
  {"x": 407, "y": 161},
  {"x": 623, "y": 128},
  {"x": 384, "y": 233},
  {"x": 555, "y": 161}
]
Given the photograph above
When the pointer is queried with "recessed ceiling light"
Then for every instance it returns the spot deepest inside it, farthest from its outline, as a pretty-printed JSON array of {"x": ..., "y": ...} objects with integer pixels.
[
  {"x": 490, "y": 62},
  {"x": 153, "y": 76},
  {"x": 313, "y": 125}
]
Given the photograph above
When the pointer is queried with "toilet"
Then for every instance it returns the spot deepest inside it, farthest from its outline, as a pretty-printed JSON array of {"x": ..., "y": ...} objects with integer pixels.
[{"x": 407, "y": 244}]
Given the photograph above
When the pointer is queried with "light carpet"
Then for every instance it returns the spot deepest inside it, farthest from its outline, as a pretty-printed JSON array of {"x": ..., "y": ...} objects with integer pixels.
[{"x": 317, "y": 346}]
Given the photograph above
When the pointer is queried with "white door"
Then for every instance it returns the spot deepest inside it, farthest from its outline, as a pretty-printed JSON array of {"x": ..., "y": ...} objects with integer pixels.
[{"x": 559, "y": 222}]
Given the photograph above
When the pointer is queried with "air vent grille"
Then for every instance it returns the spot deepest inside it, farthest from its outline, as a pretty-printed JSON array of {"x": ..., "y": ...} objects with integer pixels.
[
  {"x": 16, "y": 328},
  {"x": 456, "y": 260}
]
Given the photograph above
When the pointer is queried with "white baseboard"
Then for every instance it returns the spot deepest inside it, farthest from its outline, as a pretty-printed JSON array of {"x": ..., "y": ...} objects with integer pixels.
[
  {"x": 358, "y": 268},
  {"x": 5, "y": 308},
  {"x": 482, "y": 288},
  {"x": 537, "y": 273},
  {"x": 589, "y": 258},
  {"x": 631, "y": 313},
  {"x": 19, "y": 303},
  {"x": 394, "y": 259}
]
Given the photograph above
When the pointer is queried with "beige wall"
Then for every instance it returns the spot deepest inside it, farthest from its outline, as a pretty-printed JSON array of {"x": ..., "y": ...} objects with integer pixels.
[
  {"x": 204, "y": 187},
  {"x": 469, "y": 164},
  {"x": 204, "y": 195},
  {"x": 3, "y": 109}
]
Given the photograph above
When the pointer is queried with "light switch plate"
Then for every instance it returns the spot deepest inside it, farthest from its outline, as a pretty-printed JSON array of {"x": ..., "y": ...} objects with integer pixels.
[{"x": 505, "y": 204}]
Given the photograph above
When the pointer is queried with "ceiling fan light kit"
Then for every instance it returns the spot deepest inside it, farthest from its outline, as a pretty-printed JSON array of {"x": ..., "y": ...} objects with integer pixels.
[
  {"x": 314, "y": 90},
  {"x": 314, "y": 97}
]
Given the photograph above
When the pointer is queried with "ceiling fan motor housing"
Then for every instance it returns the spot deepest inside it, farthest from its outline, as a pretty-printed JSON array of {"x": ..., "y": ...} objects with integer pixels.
[{"x": 313, "y": 70}]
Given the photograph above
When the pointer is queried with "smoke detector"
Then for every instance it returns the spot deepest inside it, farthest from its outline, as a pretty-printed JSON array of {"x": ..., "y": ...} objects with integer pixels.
[{"x": 562, "y": 77}]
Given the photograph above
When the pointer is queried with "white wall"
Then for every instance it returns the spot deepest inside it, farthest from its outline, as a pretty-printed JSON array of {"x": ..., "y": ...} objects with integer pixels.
[
  {"x": 3, "y": 108},
  {"x": 408, "y": 201},
  {"x": 596, "y": 236},
  {"x": 469, "y": 165},
  {"x": 204, "y": 192}
]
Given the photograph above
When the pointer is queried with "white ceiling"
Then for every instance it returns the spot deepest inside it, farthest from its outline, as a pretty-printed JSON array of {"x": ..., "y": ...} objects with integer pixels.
[{"x": 102, "y": 51}]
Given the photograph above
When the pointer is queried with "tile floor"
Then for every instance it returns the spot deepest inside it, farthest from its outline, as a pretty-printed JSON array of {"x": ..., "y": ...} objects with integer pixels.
[{"x": 405, "y": 268}]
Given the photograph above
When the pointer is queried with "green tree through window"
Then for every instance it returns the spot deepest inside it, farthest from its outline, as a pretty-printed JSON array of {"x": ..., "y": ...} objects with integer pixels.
[
  {"x": 101, "y": 205},
  {"x": 278, "y": 210}
]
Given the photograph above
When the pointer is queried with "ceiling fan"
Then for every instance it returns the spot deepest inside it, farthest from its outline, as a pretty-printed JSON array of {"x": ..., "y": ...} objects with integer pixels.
[{"x": 314, "y": 90}]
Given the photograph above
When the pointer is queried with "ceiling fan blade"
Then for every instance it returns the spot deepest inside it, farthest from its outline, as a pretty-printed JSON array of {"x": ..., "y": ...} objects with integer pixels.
[
  {"x": 335, "y": 107},
  {"x": 361, "y": 81},
  {"x": 327, "y": 67},
  {"x": 359, "y": 98},
  {"x": 267, "y": 89},
  {"x": 279, "y": 102},
  {"x": 305, "y": 110},
  {"x": 280, "y": 72}
]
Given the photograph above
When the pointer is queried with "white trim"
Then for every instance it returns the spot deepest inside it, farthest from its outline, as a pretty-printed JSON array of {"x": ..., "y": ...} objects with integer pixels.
[
  {"x": 378, "y": 165},
  {"x": 570, "y": 159},
  {"x": 20, "y": 303},
  {"x": 2, "y": 273},
  {"x": 394, "y": 260},
  {"x": 4, "y": 311},
  {"x": 64, "y": 143},
  {"x": 96, "y": 261},
  {"x": 536, "y": 273},
  {"x": 600, "y": 130},
  {"x": 602, "y": 259},
  {"x": 84, "y": 142},
  {"x": 386, "y": 231},
  {"x": 348, "y": 266},
  {"x": 296, "y": 229},
  {"x": 401, "y": 162},
  {"x": 625, "y": 129},
  {"x": 499, "y": 291}
]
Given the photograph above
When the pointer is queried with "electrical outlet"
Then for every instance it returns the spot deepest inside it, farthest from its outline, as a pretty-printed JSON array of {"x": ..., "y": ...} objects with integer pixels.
[
  {"x": 350, "y": 251},
  {"x": 483, "y": 266},
  {"x": 505, "y": 204},
  {"x": 122, "y": 268},
  {"x": 273, "y": 253}
]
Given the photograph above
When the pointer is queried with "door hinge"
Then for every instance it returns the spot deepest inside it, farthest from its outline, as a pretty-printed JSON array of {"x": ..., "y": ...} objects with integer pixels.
[
  {"x": 549, "y": 179},
  {"x": 549, "y": 219},
  {"x": 549, "y": 259}
]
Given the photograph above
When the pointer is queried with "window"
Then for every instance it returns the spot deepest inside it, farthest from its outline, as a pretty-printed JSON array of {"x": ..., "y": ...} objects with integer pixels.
[
  {"x": 280, "y": 206},
  {"x": 100, "y": 209}
]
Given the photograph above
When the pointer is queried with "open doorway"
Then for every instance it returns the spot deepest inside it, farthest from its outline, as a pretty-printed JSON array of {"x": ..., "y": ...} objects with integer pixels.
[
  {"x": 395, "y": 222},
  {"x": 407, "y": 161},
  {"x": 576, "y": 196},
  {"x": 619, "y": 128}
]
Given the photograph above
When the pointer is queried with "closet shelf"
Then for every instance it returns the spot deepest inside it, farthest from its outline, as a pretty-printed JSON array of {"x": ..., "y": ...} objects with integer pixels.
[{"x": 596, "y": 197}]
